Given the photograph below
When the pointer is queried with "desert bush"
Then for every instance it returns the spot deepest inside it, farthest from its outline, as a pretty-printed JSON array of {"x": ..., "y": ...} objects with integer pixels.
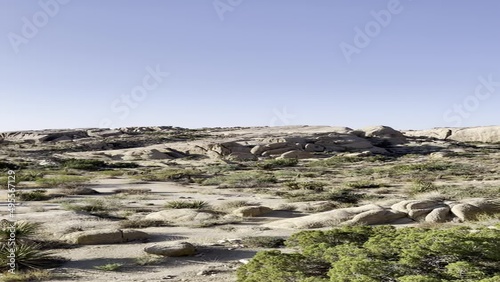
[
  {"x": 30, "y": 175},
  {"x": 28, "y": 276},
  {"x": 337, "y": 161},
  {"x": 8, "y": 166},
  {"x": 197, "y": 205},
  {"x": 61, "y": 181},
  {"x": 122, "y": 165},
  {"x": 263, "y": 242},
  {"x": 84, "y": 164},
  {"x": 141, "y": 223},
  {"x": 242, "y": 179},
  {"x": 422, "y": 186},
  {"x": 110, "y": 267},
  {"x": 36, "y": 195},
  {"x": 232, "y": 205},
  {"x": 276, "y": 163},
  {"x": 382, "y": 253},
  {"x": 345, "y": 196},
  {"x": 221, "y": 168},
  {"x": 306, "y": 185},
  {"x": 169, "y": 175},
  {"x": 93, "y": 206},
  {"x": 363, "y": 184},
  {"x": 130, "y": 191}
]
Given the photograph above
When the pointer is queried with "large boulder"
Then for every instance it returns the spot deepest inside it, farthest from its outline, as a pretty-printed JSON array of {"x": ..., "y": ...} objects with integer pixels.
[
  {"x": 470, "y": 209},
  {"x": 438, "y": 215},
  {"x": 171, "y": 249},
  {"x": 376, "y": 217},
  {"x": 104, "y": 236}
]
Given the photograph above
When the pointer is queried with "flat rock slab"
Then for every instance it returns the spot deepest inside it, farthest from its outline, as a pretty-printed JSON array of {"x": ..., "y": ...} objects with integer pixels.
[{"x": 105, "y": 236}]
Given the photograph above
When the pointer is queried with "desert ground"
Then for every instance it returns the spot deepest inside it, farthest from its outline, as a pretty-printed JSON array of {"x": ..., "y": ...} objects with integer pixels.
[{"x": 176, "y": 204}]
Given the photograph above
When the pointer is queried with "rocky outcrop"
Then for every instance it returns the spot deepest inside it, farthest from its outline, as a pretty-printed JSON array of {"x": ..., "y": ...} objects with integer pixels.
[
  {"x": 470, "y": 209},
  {"x": 383, "y": 135},
  {"x": 485, "y": 134},
  {"x": 404, "y": 212}
]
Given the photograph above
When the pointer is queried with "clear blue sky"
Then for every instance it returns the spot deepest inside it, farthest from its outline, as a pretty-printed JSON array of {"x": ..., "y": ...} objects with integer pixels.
[{"x": 252, "y": 62}]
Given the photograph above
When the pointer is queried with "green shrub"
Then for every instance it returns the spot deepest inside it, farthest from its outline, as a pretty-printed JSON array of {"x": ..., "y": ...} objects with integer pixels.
[
  {"x": 422, "y": 186},
  {"x": 382, "y": 253},
  {"x": 110, "y": 267},
  {"x": 263, "y": 242},
  {"x": 90, "y": 206},
  {"x": 36, "y": 195},
  {"x": 198, "y": 205},
  {"x": 275, "y": 163},
  {"x": 363, "y": 184},
  {"x": 143, "y": 223},
  {"x": 8, "y": 166},
  {"x": 21, "y": 231},
  {"x": 28, "y": 276},
  {"x": 61, "y": 181},
  {"x": 84, "y": 164},
  {"x": 309, "y": 185},
  {"x": 28, "y": 256},
  {"x": 245, "y": 179},
  {"x": 169, "y": 175}
]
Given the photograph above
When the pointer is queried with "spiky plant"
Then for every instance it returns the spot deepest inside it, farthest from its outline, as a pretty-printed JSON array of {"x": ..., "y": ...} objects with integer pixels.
[
  {"x": 19, "y": 231},
  {"x": 27, "y": 256}
]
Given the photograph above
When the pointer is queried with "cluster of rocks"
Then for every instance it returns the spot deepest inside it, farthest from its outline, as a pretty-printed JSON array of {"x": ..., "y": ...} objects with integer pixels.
[
  {"x": 405, "y": 212},
  {"x": 484, "y": 134},
  {"x": 368, "y": 140},
  {"x": 85, "y": 134}
]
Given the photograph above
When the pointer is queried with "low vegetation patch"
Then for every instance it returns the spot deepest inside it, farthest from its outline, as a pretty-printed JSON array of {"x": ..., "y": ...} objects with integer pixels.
[
  {"x": 384, "y": 253},
  {"x": 61, "y": 181},
  {"x": 36, "y": 195},
  {"x": 276, "y": 163},
  {"x": 197, "y": 205},
  {"x": 110, "y": 267},
  {"x": 263, "y": 242},
  {"x": 363, "y": 184},
  {"x": 169, "y": 175},
  {"x": 243, "y": 179},
  {"x": 306, "y": 185}
]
